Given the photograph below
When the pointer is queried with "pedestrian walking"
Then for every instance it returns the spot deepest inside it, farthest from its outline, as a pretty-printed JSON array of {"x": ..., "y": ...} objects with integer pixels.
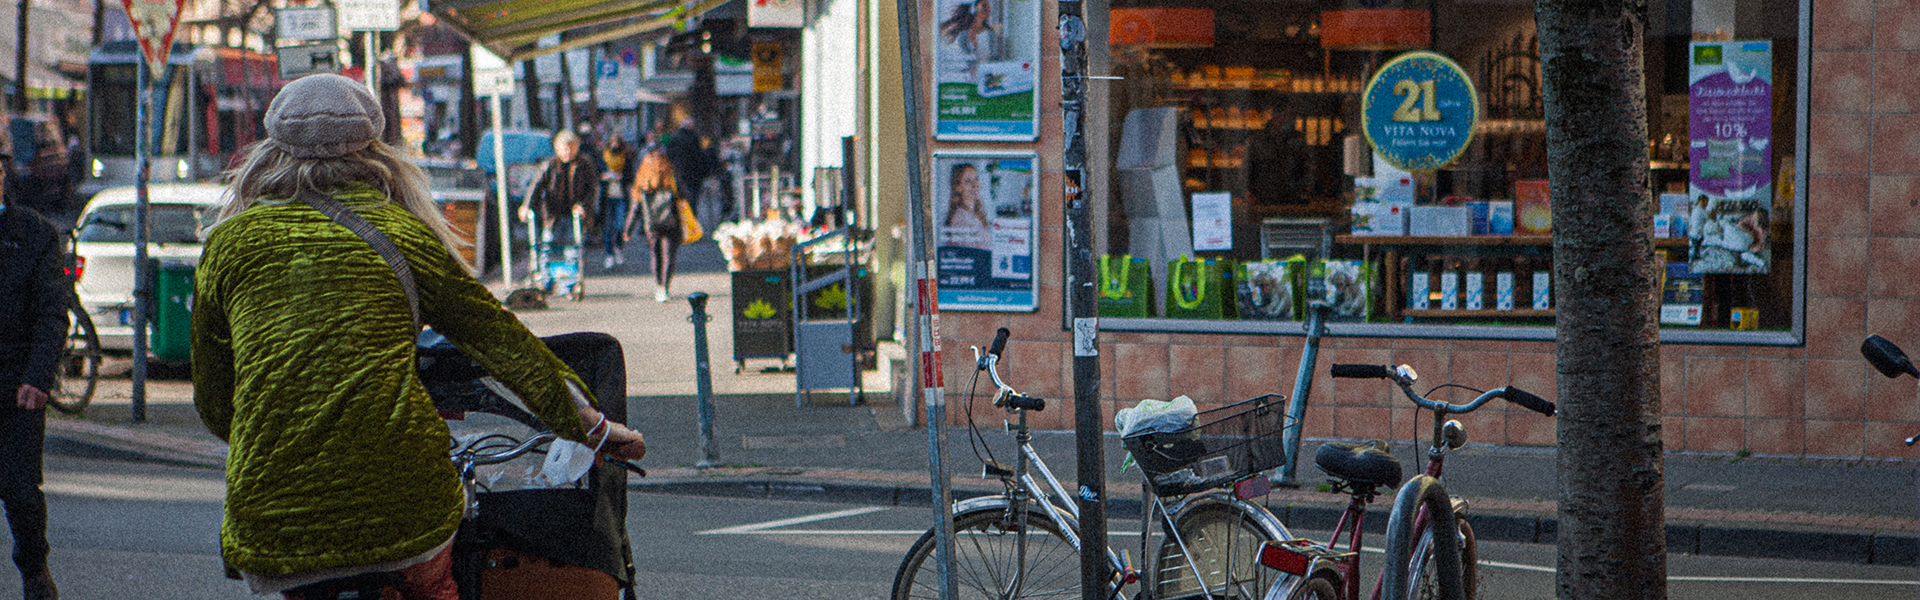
[
  {"x": 655, "y": 195},
  {"x": 33, "y": 326},
  {"x": 304, "y": 357},
  {"x": 568, "y": 187},
  {"x": 618, "y": 180},
  {"x": 694, "y": 163}
]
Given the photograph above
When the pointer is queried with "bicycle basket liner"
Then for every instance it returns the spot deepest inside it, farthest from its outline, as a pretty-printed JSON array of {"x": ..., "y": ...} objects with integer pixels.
[{"x": 1225, "y": 445}]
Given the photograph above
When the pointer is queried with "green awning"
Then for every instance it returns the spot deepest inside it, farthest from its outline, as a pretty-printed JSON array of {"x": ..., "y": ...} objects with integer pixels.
[{"x": 510, "y": 28}]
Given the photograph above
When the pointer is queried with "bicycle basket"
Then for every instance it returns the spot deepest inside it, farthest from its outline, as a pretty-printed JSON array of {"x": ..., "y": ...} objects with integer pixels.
[{"x": 1223, "y": 446}]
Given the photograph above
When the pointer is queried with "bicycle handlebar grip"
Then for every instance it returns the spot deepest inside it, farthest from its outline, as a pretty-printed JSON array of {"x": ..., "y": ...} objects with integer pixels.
[
  {"x": 999, "y": 342},
  {"x": 1362, "y": 371},
  {"x": 1025, "y": 402},
  {"x": 1529, "y": 401}
]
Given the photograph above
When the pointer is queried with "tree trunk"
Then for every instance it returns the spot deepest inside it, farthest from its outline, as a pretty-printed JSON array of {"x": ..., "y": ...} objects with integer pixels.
[{"x": 1612, "y": 534}]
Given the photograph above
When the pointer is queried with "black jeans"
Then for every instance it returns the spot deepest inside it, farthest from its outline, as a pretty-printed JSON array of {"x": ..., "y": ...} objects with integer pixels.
[{"x": 22, "y": 441}]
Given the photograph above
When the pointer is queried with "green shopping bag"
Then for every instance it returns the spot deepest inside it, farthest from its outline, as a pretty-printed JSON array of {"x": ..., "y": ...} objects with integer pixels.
[
  {"x": 1269, "y": 290},
  {"x": 1347, "y": 285},
  {"x": 1200, "y": 289},
  {"x": 1126, "y": 285}
]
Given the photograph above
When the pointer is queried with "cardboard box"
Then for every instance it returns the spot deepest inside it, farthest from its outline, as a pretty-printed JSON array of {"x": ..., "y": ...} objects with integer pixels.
[
  {"x": 1532, "y": 207},
  {"x": 1503, "y": 290},
  {"x": 1492, "y": 217},
  {"x": 1440, "y": 221},
  {"x": 1380, "y": 218},
  {"x": 1542, "y": 295},
  {"x": 1475, "y": 288},
  {"x": 1417, "y": 287}
]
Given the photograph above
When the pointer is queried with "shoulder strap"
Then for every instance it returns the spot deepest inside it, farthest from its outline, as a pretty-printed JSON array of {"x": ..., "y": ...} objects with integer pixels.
[{"x": 380, "y": 242}]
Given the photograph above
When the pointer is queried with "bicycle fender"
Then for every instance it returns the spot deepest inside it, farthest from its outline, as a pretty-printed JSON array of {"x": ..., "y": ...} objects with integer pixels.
[
  {"x": 1418, "y": 491},
  {"x": 1260, "y": 515}
]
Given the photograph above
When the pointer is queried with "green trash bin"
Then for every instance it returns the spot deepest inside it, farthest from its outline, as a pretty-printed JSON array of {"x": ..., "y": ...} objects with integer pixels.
[{"x": 173, "y": 315}]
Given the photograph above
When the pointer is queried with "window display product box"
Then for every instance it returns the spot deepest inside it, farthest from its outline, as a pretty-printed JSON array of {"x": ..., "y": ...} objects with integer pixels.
[
  {"x": 1503, "y": 290},
  {"x": 1492, "y": 217},
  {"x": 1682, "y": 296},
  {"x": 1417, "y": 289},
  {"x": 1380, "y": 218},
  {"x": 1440, "y": 221},
  {"x": 1542, "y": 295},
  {"x": 1532, "y": 207}
]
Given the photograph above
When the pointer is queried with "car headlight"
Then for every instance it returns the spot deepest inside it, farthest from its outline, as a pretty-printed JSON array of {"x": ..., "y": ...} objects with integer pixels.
[{"x": 99, "y": 168}]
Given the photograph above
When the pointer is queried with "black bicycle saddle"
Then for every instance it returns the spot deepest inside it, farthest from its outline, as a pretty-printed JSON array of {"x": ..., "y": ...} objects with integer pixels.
[{"x": 1366, "y": 463}]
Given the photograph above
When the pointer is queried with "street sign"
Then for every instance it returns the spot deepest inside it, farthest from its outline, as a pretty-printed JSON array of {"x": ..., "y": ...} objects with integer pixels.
[
  {"x": 769, "y": 67},
  {"x": 368, "y": 15},
  {"x": 296, "y": 61},
  {"x": 493, "y": 82},
  {"x": 306, "y": 24},
  {"x": 154, "y": 22},
  {"x": 1419, "y": 111}
]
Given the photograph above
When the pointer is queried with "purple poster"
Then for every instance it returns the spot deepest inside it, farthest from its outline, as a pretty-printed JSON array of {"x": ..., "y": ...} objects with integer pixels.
[{"x": 1730, "y": 123}]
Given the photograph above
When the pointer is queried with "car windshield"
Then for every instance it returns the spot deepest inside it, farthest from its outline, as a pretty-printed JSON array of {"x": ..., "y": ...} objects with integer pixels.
[{"x": 166, "y": 224}]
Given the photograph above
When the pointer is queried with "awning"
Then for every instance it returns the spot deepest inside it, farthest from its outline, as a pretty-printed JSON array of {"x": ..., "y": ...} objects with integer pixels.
[{"x": 510, "y": 28}]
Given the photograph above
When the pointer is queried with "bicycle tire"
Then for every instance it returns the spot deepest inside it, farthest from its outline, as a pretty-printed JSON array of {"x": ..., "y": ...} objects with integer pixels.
[
  {"x": 1224, "y": 540},
  {"x": 79, "y": 365},
  {"x": 1318, "y": 588},
  {"x": 1425, "y": 581},
  {"x": 984, "y": 548},
  {"x": 1418, "y": 564}
]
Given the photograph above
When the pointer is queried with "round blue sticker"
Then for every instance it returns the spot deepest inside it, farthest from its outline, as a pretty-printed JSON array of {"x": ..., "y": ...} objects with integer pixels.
[{"x": 1419, "y": 111}]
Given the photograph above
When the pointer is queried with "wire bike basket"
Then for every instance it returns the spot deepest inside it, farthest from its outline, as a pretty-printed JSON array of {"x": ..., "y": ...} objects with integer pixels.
[{"x": 1223, "y": 446}]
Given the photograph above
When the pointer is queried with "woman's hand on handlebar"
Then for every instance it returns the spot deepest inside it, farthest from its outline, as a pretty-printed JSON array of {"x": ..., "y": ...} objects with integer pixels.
[{"x": 615, "y": 440}]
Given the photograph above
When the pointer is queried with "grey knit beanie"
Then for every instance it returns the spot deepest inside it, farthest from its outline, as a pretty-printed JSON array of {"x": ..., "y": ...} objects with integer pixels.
[{"x": 324, "y": 116}]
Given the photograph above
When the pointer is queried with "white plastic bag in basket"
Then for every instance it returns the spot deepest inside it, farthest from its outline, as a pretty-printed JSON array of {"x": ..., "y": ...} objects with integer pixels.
[{"x": 1153, "y": 416}]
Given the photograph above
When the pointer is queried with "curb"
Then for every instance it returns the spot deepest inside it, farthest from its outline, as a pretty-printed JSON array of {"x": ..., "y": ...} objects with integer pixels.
[
  {"x": 1871, "y": 547},
  {"x": 94, "y": 440}
]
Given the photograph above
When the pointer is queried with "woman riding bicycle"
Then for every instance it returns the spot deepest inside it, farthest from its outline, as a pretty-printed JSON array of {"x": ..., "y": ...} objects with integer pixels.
[{"x": 304, "y": 358}]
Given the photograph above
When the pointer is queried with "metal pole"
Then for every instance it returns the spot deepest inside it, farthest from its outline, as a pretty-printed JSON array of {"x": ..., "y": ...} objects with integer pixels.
[
  {"x": 20, "y": 61},
  {"x": 372, "y": 69},
  {"x": 1302, "y": 385},
  {"x": 142, "y": 277},
  {"x": 703, "y": 378},
  {"x": 923, "y": 331},
  {"x": 1082, "y": 308},
  {"x": 500, "y": 193}
]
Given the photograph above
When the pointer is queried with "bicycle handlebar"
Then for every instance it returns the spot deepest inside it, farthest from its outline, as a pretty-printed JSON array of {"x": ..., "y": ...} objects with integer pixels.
[
  {"x": 999, "y": 343},
  {"x": 1404, "y": 378},
  {"x": 1004, "y": 395},
  {"x": 471, "y": 456}
]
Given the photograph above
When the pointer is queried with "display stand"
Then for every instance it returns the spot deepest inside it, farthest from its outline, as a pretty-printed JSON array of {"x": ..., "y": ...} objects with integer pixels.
[{"x": 827, "y": 350}]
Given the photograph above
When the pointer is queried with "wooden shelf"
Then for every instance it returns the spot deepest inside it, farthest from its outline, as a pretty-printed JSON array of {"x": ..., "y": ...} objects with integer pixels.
[
  {"x": 1472, "y": 240},
  {"x": 1462, "y": 314}
]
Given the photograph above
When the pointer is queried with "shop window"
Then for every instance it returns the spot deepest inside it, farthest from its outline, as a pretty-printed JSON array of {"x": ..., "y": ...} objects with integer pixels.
[{"x": 1240, "y": 170}]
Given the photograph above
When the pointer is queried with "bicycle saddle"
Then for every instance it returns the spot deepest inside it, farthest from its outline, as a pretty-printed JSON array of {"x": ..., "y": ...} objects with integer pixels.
[{"x": 1366, "y": 462}]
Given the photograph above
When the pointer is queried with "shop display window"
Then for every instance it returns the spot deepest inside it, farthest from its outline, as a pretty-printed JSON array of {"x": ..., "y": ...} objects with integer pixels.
[{"x": 1240, "y": 169}]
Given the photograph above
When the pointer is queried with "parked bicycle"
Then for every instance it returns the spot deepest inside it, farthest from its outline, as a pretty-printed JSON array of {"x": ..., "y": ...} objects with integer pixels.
[
  {"x": 1887, "y": 358},
  {"x": 1024, "y": 542},
  {"x": 79, "y": 372},
  {"x": 1421, "y": 562}
]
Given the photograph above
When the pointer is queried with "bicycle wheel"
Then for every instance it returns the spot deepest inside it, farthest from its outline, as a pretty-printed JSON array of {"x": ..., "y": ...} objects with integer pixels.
[
  {"x": 79, "y": 365},
  {"x": 1318, "y": 588},
  {"x": 987, "y": 561},
  {"x": 1422, "y": 575},
  {"x": 1223, "y": 542}
]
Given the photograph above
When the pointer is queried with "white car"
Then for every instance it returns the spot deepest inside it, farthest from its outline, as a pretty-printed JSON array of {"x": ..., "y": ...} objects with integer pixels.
[{"x": 177, "y": 215}]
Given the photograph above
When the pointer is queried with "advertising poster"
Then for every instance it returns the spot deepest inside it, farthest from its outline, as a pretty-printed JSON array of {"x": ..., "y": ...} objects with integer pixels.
[
  {"x": 984, "y": 228},
  {"x": 1730, "y": 171},
  {"x": 1212, "y": 221},
  {"x": 985, "y": 56}
]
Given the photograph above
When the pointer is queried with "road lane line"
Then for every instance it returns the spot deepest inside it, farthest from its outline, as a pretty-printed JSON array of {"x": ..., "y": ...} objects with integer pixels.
[{"x": 758, "y": 527}]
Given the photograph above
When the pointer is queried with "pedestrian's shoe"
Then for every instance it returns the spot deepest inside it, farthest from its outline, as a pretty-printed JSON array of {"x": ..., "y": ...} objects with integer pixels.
[
  {"x": 38, "y": 586},
  {"x": 661, "y": 295},
  {"x": 619, "y": 255},
  {"x": 608, "y": 263}
]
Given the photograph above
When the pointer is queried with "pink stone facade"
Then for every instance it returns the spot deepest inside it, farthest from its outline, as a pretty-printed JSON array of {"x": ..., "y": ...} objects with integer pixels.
[{"x": 1820, "y": 399}]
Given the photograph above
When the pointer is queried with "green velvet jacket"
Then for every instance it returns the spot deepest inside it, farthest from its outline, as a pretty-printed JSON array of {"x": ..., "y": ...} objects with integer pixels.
[{"x": 303, "y": 360}]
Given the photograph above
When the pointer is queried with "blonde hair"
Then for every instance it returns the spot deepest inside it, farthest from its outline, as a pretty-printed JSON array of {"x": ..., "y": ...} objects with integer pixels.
[{"x": 271, "y": 174}]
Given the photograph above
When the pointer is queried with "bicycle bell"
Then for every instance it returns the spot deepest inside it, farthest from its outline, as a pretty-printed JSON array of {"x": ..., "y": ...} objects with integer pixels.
[{"x": 1453, "y": 434}]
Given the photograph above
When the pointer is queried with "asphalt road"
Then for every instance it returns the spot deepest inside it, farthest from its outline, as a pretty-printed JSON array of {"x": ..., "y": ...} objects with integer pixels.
[{"x": 147, "y": 531}]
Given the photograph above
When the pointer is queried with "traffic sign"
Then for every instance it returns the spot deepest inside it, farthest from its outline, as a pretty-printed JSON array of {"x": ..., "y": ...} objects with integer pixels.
[
  {"x": 296, "y": 61},
  {"x": 493, "y": 82},
  {"x": 154, "y": 22},
  {"x": 1419, "y": 111},
  {"x": 368, "y": 15},
  {"x": 306, "y": 24}
]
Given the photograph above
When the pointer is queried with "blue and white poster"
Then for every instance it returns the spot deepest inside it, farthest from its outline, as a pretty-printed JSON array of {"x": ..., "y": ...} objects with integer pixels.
[{"x": 984, "y": 229}]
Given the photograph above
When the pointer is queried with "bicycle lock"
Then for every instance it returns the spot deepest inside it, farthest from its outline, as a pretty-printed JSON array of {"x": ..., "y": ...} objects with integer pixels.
[{"x": 703, "y": 380}]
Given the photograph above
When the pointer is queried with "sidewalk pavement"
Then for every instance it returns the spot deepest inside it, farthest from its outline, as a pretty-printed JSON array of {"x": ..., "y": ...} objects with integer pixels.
[{"x": 1859, "y": 511}]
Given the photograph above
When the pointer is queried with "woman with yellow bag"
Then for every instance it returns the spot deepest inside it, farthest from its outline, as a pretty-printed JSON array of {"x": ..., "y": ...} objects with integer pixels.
[{"x": 667, "y": 218}]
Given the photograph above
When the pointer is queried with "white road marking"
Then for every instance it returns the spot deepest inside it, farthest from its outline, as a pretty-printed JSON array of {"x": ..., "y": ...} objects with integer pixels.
[{"x": 759, "y": 527}]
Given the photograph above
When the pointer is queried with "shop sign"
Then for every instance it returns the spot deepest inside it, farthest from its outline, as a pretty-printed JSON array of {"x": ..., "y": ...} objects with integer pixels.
[
  {"x": 984, "y": 228},
  {"x": 1730, "y": 162},
  {"x": 986, "y": 57},
  {"x": 369, "y": 15},
  {"x": 306, "y": 24},
  {"x": 1419, "y": 111},
  {"x": 776, "y": 13},
  {"x": 769, "y": 65}
]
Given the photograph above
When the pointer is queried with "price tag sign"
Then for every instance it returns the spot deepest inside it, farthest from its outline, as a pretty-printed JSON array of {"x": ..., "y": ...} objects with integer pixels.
[
  {"x": 493, "y": 82},
  {"x": 1419, "y": 110},
  {"x": 368, "y": 15},
  {"x": 307, "y": 24}
]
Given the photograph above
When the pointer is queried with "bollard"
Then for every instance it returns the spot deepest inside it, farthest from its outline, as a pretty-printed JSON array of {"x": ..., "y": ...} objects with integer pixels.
[{"x": 703, "y": 378}]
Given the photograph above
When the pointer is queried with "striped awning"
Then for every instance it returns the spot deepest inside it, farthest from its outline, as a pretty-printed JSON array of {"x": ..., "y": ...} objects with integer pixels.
[{"x": 511, "y": 28}]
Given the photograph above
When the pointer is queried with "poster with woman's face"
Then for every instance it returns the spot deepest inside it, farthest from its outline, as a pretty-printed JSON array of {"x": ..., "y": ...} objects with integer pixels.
[
  {"x": 984, "y": 230},
  {"x": 986, "y": 54}
]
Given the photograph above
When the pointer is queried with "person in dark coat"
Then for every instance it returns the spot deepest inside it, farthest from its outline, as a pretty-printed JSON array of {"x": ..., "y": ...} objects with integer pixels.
[
  {"x": 34, "y": 292},
  {"x": 1277, "y": 160},
  {"x": 567, "y": 187},
  {"x": 693, "y": 162},
  {"x": 620, "y": 163}
]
